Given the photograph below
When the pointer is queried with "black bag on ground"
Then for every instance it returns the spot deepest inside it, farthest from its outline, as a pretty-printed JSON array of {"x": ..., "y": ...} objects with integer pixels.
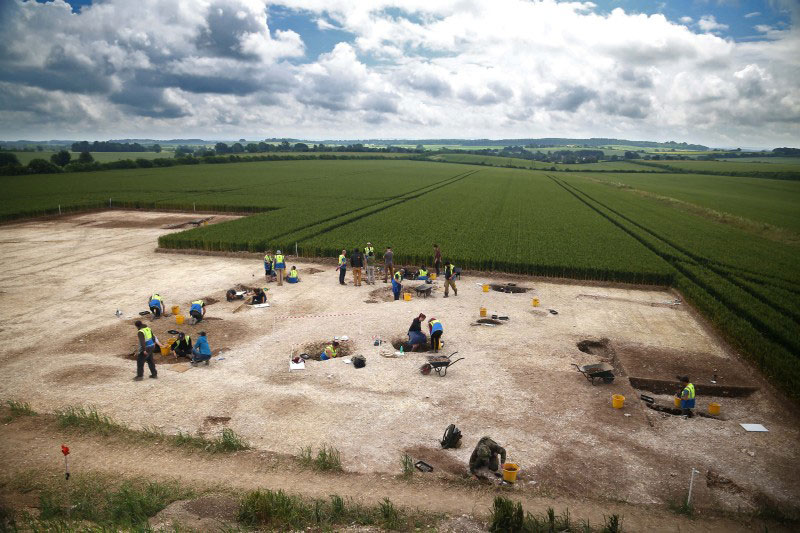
[
  {"x": 359, "y": 361},
  {"x": 452, "y": 437}
]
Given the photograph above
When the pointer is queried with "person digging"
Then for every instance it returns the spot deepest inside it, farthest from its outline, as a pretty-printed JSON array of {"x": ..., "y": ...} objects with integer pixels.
[
  {"x": 330, "y": 351},
  {"x": 687, "y": 396},
  {"x": 416, "y": 338},
  {"x": 197, "y": 311},
  {"x": 201, "y": 351},
  {"x": 259, "y": 296},
  {"x": 156, "y": 304},
  {"x": 484, "y": 459},
  {"x": 182, "y": 346}
]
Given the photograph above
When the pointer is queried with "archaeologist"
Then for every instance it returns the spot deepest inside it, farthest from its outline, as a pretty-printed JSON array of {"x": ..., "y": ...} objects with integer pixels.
[
  {"x": 201, "y": 351},
  {"x": 357, "y": 262},
  {"x": 687, "y": 396},
  {"x": 280, "y": 266},
  {"x": 437, "y": 258},
  {"x": 269, "y": 264},
  {"x": 369, "y": 263},
  {"x": 484, "y": 458},
  {"x": 416, "y": 338},
  {"x": 156, "y": 306},
  {"x": 397, "y": 284},
  {"x": 147, "y": 343},
  {"x": 233, "y": 294},
  {"x": 449, "y": 279},
  {"x": 342, "y": 266},
  {"x": 259, "y": 296},
  {"x": 422, "y": 273},
  {"x": 182, "y": 345},
  {"x": 197, "y": 311},
  {"x": 388, "y": 264},
  {"x": 330, "y": 351},
  {"x": 293, "y": 277},
  {"x": 436, "y": 329}
]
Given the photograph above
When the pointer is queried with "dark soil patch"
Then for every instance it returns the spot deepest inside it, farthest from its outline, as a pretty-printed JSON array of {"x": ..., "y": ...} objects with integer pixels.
[
  {"x": 490, "y": 321},
  {"x": 441, "y": 460},
  {"x": 84, "y": 374},
  {"x": 382, "y": 294},
  {"x": 662, "y": 386},
  {"x": 715, "y": 480},
  {"x": 312, "y": 270},
  {"x": 209, "y": 300},
  {"x": 399, "y": 341},
  {"x": 509, "y": 288},
  {"x": 667, "y": 364},
  {"x": 600, "y": 347},
  {"x": 217, "y": 507},
  {"x": 217, "y": 419},
  {"x": 314, "y": 349},
  {"x": 371, "y": 301}
]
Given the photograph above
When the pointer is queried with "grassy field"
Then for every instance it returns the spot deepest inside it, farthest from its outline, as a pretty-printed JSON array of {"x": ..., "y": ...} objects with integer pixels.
[
  {"x": 729, "y": 166},
  {"x": 657, "y": 228},
  {"x": 101, "y": 157}
]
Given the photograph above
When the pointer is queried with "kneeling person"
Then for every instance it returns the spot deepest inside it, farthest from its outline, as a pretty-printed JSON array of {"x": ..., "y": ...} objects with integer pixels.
[
  {"x": 156, "y": 305},
  {"x": 198, "y": 310},
  {"x": 484, "y": 458},
  {"x": 182, "y": 346},
  {"x": 293, "y": 277},
  {"x": 259, "y": 297},
  {"x": 201, "y": 351},
  {"x": 330, "y": 351}
]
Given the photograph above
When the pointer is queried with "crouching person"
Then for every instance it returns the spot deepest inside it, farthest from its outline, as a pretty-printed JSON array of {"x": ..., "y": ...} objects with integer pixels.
[
  {"x": 201, "y": 351},
  {"x": 182, "y": 346},
  {"x": 330, "y": 351},
  {"x": 484, "y": 460}
]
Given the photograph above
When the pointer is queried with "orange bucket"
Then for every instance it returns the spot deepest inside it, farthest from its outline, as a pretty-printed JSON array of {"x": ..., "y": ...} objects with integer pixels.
[
  {"x": 677, "y": 401},
  {"x": 165, "y": 350},
  {"x": 176, "y": 309},
  {"x": 713, "y": 408},
  {"x": 483, "y": 311},
  {"x": 510, "y": 471},
  {"x": 407, "y": 296},
  {"x": 618, "y": 401},
  {"x": 179, "y": 319}
]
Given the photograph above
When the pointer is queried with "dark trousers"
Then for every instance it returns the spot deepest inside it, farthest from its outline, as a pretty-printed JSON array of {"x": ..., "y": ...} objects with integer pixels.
[
  {"x": 437, "y": 265},
  {"x": 156, "y": 311},
  {"x": 396, "y": 292},
  {"x": 197, "y": 315},
  {"x": 342, "y": 272},
  {"x": 145, "y": 355},
  {"x": 436, "y": 337}
]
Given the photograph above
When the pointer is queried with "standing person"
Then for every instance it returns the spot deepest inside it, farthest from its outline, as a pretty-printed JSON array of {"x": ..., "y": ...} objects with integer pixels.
[
  {"x": 437, "y": 258},
  {"x": 201, "y": 351},
  {"x": 342, "y": 268},
  {"x": 397, "y": 284},
  {"x": 369, "y": 262},
  {"x": 182, "y": 345},
  {"x": 388, "y": 264},
  {"x": 280, "y": 266},
  {"x": 357, "y": 262},
  {"x": 147, "y": 343},
  {"x": 197, "y": 311},
  {"x": 156, "y": 306},
  {"x": 435, "y": 328},
  {"x": 449, "y": 278},
  {"x": 687, "y": 396},
  {"x": 415, "y": 336},
  {"x": 269, "y": 263}
]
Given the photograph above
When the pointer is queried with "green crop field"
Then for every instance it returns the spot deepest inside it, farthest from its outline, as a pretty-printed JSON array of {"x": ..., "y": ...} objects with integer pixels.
[
  {"x": 496, "y": 161},
  {"x": 630, "y": 227},
  {"x": 725, "y": 167}
]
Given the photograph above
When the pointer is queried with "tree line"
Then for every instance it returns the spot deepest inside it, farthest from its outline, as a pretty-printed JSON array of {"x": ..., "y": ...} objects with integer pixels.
[{"x": 110, "y": 146}]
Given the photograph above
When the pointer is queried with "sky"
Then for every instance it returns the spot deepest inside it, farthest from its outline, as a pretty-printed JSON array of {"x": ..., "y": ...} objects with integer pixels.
[{"x": 717, "y": 72}]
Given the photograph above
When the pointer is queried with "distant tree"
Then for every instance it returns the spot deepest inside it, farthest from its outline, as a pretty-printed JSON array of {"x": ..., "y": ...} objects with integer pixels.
[
  {"x": 237, "y": 148},
  {"x": 222, "y": 148},
  {"x": 284, "y": 146},
  {"x": 300, "y": 147},
  {"x": 60, "y": 158},
  {"x": 420, "y": 148},
  {"x": 157, "y": 148},
  {"x": 39, "y": 148},
  {"x": 264, "y": 147},
  {"x": 632, "y": 155},
  {"x": 182, "y": 151},
  {"x": 251, "y": 148},
  {"x": 242, "y": 140},
  {"x": 8, "y": 159},
  {"x": 85, "y": 157},
  {"x": 42, "y": 166}
]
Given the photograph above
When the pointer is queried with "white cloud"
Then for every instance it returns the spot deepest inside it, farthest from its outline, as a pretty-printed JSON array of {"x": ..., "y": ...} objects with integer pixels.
[
  {"x": 709, "y": 23},
  {"x": 686, "y": 20},
  {"x": 753, "y": 14},
  {"x": 451, "y": 68}
]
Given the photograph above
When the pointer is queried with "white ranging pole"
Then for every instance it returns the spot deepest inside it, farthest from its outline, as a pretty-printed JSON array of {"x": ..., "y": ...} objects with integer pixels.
[{"x": 691, "y": 484}]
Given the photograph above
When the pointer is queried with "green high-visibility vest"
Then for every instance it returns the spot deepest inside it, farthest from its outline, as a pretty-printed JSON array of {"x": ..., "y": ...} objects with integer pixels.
[
  {"x": 342, "y": 259},
  {"x": 690, "y": 389},
  {"x": 423, "y": 272},
  {"x": 156, "y": 297},
  {"x": 369, "y": 250},
  {"x": 292, "y": 274},
  {"x": 279, "y": 258}
]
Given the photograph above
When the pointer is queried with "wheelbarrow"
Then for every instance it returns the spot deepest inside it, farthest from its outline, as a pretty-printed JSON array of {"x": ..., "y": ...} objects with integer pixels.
[
  {"x": 602, "y": 371},
  {"x": 439, "y": 363}
]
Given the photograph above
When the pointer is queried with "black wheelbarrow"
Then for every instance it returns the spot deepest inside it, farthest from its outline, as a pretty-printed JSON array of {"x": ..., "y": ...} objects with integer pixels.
[
  {"x": 602, "y": 371},
  {"x": 439, "y": 363}
]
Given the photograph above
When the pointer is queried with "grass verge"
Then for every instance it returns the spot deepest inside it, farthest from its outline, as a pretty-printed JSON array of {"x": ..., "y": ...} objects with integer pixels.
[
  {"x": 507, "y": 516},
  {"x": 89, "y": 419},
  {"x": 17, "y": 409},
  {"x": 327, "y": 459}
]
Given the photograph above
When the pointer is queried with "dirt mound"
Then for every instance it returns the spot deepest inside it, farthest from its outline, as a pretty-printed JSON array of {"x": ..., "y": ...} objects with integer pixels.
[
  {"x": 381, "y": 294},
  {"x": 84, "y": 374},
  {"x": 312, "y": 270},
  {"x": 402, "y": 340},
  {"x": 509, "y": 288},
  {"x": 315, "y": 349}
]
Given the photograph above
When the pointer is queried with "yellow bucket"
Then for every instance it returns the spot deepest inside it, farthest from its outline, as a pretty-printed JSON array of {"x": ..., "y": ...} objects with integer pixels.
[
  {"x": 677, "y": 401},
  {"x": 432, "y": 276},
  {"x": 510, "y": 471},
  {"x": 179, "y": 319},
  {"x": 176, "y": 309},
  {"x": 713, "y": 408},
  {"x": 483, "y": 311},
  {"x": 485, "y": 287},
  {"x": 618, "y": 401},
  {"x": 535, "y": 302},
  {"x": 407, "y": 296},
  {"x": 165, "y": 349}
]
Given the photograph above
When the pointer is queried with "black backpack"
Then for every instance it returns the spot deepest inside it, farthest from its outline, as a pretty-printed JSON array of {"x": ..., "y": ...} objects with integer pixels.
[
  {"x": 452, "y": 437},
  {"x": 359, "y": 361}
]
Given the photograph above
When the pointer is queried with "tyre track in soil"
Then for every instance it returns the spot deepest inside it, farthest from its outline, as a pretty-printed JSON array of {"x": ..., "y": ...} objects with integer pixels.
[{"x": 33, "y": 443}]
